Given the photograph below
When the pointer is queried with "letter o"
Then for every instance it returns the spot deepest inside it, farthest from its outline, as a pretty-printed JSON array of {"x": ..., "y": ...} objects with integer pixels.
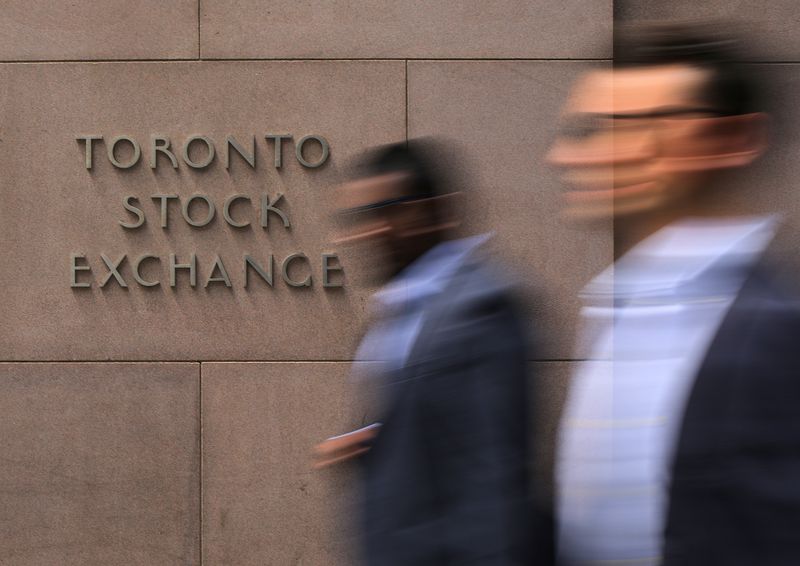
[
  {"x": 187, "y": 204},
  {"x": 112, "y": 146},
  {"x": 298, "y": 150},
  {"x": 209, "y": 158}
]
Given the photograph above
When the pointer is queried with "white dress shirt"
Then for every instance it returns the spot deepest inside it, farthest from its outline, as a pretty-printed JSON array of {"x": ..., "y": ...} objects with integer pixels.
[{"x": 649, "y": 320}]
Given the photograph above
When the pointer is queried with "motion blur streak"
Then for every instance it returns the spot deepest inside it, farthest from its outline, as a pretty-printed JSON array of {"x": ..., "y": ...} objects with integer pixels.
[{"x": 681, "y": 432}]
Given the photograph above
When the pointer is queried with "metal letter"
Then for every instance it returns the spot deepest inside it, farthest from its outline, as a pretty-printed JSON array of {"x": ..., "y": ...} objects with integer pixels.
[
  {"x": 126, "y": 203},
  {"x": 285, "y": 271},
  {"x": 188, "y": 203},
  {"x": 278, "y": 139},
  {"x": 112, "y": 270},
  {"x": 250, "y": 262},
  {"x": 223, "y": 275},
  {"x": 266, "y": 208},
  {"x": 163, "y": 147},
  {"x": 89, "y": 140},
  {"x": 226, "y": 210},
  {"x": 74, "y": 268},
  {"x": 298, "y": 150},
  {"x": 191, "y": 266},
  {"x": 137, "y": 152},
  {"x": 250, "y": 158},
  {"x": 209, "y": 158},
  {"x": 327, "y": 268},
  {"x": 164, "y": 207},
  {"x": 137, "y": 276}
]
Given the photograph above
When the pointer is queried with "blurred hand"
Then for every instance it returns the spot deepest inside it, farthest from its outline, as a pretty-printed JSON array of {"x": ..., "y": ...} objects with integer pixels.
[{"x": 344, "y": 447}]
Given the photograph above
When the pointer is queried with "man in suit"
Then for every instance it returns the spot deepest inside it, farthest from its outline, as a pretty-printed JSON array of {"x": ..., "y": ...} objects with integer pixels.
[
  {"x": 445, "y": 472},
  {"x": 680, "y": 440}
]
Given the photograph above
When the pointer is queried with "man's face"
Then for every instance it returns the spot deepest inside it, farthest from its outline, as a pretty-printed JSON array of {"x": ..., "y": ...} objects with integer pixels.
[
  {"x": 638, "y": 139},
  {"x": 377, "y": 214}
]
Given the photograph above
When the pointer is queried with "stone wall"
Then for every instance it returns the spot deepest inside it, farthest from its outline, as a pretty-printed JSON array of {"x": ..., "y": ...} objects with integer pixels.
[{"x": 172, "y": 425}]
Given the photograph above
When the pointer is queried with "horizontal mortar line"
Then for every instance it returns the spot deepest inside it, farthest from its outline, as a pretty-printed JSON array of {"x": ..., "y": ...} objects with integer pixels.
[
  {"x": 335, "y": 59},
  {"x": 548, "y": 360},
  {"x": 290, "y": 59},
  {"x": 100, "y": 362},
  {"x": 406, "y": 59},
  {"x": 52, "y": 61},
  {"x": 285, "y": 362}
]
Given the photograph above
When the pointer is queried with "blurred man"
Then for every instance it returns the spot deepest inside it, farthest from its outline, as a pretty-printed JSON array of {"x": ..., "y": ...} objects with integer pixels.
[
  {"x": 680, "y": 441},
  {"x": 446, "y": 470}
]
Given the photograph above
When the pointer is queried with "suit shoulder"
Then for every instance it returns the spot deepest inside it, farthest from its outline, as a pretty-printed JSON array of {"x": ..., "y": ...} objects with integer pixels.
[
  {"x": 482, "y": 282},
  {"x": 484, "y": 274},
  {"x": 764, "y": 321},
  {"x": 766, "y": 295}
]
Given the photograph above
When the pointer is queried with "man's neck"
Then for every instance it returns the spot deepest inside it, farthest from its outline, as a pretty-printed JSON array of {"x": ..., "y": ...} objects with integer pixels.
[
  {"x": 630, "y": 230},
  {"x": 418, "y": 252}
]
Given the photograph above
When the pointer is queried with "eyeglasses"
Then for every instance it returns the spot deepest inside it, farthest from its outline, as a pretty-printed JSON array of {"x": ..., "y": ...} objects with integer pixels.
[
  {"x": 369, "y": 208},
  {"x": 585, "y": 125}
]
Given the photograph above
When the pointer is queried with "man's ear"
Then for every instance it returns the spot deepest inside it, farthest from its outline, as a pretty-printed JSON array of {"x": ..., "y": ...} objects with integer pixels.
[
  {"x": 724, "y": 142},
  {"x": 450, "y": 206}
]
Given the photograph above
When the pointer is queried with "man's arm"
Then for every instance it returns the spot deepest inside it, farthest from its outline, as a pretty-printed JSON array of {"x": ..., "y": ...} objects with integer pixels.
[{"x": 475, "y": 411}]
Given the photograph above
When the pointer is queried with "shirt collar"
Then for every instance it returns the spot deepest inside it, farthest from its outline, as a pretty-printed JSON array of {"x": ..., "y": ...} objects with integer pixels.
[
  {"x": 428, "y": 274},
  {"x": 686, "y": 253}
]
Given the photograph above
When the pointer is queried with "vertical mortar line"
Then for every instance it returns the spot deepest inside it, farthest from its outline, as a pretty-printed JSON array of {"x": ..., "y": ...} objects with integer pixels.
[
  {"x": 198, "y": 29},
  {"x": 406, "y": 101},
  {"x": 200, "y": 452}
]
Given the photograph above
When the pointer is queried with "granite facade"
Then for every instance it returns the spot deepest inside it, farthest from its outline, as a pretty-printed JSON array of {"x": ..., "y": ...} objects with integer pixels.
[{"x": 173, "y": 424}]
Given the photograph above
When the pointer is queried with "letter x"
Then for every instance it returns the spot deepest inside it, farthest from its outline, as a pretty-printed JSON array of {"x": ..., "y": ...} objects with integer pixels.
[{"x": 112, "y": 267}]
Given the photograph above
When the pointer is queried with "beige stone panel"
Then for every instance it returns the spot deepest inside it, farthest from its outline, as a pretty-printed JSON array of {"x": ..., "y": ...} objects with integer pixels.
[
  {"x": 100, "y": 464},
  {"x": 262, "y": 503},
  {"x": 770, "y": 27},
  {"x": 53, "y": 206},
  {"x": 406, "y": 29},
  {"x": 35, "y": 30},
  {"x": 503, "y": 116}
]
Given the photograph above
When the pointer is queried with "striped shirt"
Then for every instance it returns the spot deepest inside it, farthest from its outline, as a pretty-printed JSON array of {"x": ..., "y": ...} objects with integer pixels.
[{"x": 648, "y": 322}]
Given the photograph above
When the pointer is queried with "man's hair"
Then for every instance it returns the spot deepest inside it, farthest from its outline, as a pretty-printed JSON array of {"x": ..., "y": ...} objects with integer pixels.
[
  {"x": 731, "y": 89},
  {"x": 411, "y": 158}
]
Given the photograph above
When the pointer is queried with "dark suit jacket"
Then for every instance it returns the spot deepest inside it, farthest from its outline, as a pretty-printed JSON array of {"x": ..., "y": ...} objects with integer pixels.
[
  {"x": 446, "y": 481},
  {"x": 735, "y": 492}
]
